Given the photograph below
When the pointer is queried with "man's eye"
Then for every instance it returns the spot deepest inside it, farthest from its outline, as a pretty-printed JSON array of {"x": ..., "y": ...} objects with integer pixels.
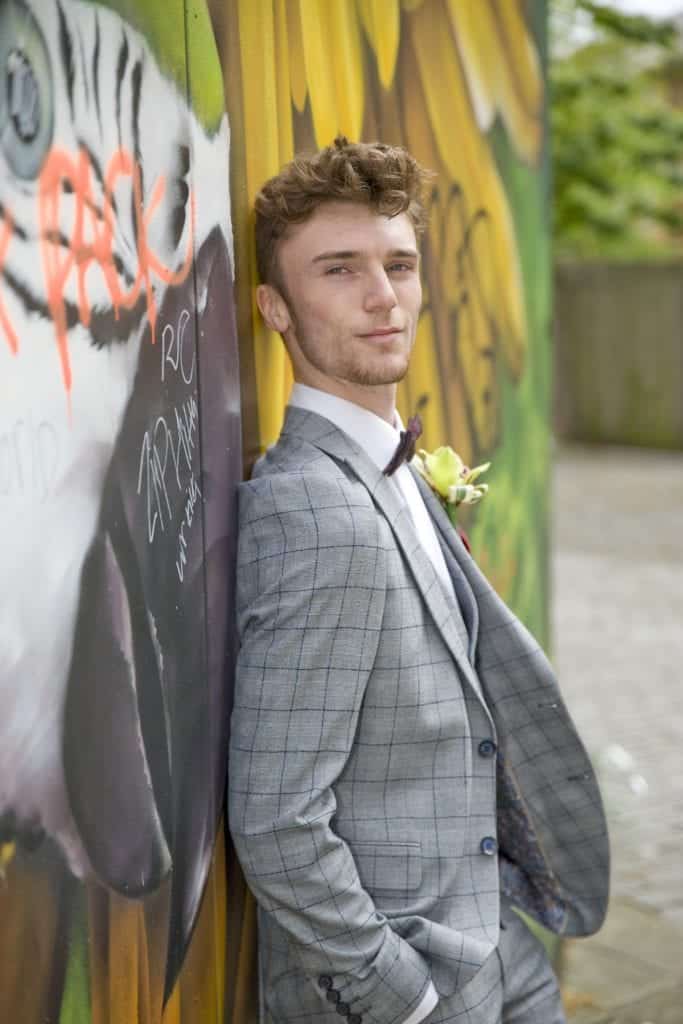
[
  {"x": 397, "y": 268},
  {"x": 337, "y": 270}
]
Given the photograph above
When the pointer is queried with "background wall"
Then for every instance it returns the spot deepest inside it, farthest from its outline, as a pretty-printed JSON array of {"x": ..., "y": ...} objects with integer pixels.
[
  {"x": 463, "y": 86},
  {"x": 619, "y": 342},
  {"x": 119, "y": 413}
]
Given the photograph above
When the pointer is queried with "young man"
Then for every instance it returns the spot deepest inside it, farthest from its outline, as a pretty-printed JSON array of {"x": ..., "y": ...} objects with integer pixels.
[{"x": 403, "y": 769}]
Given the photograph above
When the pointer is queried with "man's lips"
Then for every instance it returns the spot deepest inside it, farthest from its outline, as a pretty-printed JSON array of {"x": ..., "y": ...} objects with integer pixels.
[{"x": 381, "y": 332}]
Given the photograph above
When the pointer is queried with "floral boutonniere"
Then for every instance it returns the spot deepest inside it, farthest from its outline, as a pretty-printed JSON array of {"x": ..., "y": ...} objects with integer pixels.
[{"x": 452, "y": 481}]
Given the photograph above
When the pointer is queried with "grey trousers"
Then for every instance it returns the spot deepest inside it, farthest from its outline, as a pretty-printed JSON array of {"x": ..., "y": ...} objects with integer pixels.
[{"x": 516, "y": 985}]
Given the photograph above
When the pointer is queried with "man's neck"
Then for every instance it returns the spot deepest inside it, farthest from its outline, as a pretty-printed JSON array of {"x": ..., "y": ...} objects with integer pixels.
[{"x": 379, "y": 399}]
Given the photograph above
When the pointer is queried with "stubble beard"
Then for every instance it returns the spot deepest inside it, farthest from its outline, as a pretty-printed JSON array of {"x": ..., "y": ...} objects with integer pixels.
[
  {"x": 368, "y": 373},
  {"x": 375, "y": 376}
]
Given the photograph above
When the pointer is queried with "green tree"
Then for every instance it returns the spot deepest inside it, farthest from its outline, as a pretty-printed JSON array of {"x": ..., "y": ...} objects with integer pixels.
[{"x": 617, "y": 141}]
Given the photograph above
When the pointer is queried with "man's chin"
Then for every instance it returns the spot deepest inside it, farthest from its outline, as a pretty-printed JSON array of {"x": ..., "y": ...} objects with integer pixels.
[{"x": 390, "y": 372}]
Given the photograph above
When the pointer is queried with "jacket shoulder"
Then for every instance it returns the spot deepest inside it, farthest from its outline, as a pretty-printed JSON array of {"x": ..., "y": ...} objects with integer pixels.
[
  {"x": 295, "y": 476},
  {"x": 313, "y": 523}
]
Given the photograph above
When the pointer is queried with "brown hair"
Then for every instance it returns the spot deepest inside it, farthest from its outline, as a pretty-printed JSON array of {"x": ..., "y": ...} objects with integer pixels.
[{"x": 386, "y": 178}]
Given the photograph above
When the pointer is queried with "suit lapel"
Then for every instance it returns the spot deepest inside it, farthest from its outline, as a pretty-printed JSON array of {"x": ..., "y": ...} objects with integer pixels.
[
  {"x": 455, "y": 554},
  {"x": 494, "y": 618},
  {"x": 386, "y": 495}
]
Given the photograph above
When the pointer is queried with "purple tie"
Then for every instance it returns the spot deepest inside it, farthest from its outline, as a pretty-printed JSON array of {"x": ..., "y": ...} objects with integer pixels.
[{"x": 405, "y": 449}]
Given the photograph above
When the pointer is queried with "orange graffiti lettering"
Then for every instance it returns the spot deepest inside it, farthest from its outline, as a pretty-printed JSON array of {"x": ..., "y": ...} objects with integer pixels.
[
  {"x": 62, "y": 175},
  {"x": 5, "y": 237}
]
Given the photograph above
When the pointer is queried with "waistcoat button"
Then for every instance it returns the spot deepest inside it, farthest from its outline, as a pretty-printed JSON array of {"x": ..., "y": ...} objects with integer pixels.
[
  {"x": 489, "y": 846},
  {"x": 487, "y": 748}
]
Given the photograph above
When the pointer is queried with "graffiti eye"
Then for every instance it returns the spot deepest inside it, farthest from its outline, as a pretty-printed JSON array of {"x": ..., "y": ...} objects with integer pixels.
[{"x": 26, "y": 112}]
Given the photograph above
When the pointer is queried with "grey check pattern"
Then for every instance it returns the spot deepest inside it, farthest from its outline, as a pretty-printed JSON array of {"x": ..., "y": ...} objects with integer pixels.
[{"x": 365, "y": 813}]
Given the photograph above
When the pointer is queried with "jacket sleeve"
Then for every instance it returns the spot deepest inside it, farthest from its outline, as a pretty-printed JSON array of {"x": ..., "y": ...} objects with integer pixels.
[{"x": 311, "y": 577}]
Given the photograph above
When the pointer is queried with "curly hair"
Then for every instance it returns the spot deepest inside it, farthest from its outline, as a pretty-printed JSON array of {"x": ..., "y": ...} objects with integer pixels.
[{"x": 386, "y": 178}]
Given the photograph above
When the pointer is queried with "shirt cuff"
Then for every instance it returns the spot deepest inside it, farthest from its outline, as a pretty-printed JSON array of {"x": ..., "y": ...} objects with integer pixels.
[{"x": 425, "y": 1006}]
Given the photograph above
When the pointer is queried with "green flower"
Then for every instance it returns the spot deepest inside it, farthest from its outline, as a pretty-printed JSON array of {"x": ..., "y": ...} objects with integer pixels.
[{"x": 453, "y": 481}]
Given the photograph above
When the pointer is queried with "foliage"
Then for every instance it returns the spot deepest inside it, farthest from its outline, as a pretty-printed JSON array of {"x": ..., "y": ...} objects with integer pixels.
[{"x": 617, "y": 141}]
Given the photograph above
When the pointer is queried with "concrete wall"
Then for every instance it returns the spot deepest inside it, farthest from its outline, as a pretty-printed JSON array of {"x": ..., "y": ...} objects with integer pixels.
[{"x": 619, "y": 353}]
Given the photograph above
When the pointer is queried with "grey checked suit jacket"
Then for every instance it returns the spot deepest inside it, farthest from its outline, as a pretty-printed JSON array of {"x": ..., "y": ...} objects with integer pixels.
[{"x": 378, "y": 804}]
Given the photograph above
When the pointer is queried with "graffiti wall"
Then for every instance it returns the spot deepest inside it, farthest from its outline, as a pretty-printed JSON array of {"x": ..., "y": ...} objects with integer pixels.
[
  {"x": 120, "y": 900},
  {"x": 462, "y": 85},
  {"x": 119, "y": 452}
]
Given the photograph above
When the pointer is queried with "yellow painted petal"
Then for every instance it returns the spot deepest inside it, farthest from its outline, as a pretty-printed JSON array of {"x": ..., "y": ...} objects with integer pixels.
[
  {"x": 172, "y": 1014},
  {"x": 502, "y": 69},
  {"x": 520, "y": 93},
  {"x": 457, "y": 425},
  {"x": 259, "y": 91},
  {"x": 262, "y": 161},
  {"x": 245, "y": 976},
  {"x": 506, "y": 296},
  {"x": 447, "y": 103},
  {"x": 367, "y": 21},
  {"x": 477, "y": 41},
  {"x": 476, "y": 356},
  {"x": 470, "y": 164},
  {"x": 418, "y": 131},
  {"x": 32, "y": 934},
  {"x": 283, "y": 78},
  {"x": 297, "y": 70},
  {"x": 424, "y": 379},
  {"x": 342, "y": 34},
  {"x": 319, "y": 73},
  {"x": 124, "y": 961},
  {"x": 382, "y": 23}
]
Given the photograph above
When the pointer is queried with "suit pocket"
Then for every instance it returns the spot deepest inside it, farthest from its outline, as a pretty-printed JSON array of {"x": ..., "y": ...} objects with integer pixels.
[{"x": 388, "y": 865}]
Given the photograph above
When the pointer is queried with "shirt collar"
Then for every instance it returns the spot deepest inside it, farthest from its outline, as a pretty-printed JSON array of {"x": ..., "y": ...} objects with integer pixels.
[{"x": 375, "y": 436}]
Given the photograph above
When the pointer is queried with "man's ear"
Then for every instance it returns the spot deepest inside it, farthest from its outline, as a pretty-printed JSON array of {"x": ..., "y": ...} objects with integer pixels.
[{"x": 273, "y": 308}]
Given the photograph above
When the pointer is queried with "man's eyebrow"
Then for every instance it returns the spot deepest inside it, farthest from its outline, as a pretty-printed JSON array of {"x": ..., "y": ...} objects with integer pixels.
[
  {"x": 349, "y": 254},
  {"x": 341, "y": 254},
  {"x": 405, "y": 253}
]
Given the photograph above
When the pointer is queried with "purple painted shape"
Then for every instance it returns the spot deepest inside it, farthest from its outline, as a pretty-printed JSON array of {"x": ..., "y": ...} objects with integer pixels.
[{"x": 168, "y": 525}]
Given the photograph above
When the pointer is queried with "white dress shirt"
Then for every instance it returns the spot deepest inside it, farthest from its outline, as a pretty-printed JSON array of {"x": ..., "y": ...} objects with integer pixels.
[{"x": 378, "y": 439}]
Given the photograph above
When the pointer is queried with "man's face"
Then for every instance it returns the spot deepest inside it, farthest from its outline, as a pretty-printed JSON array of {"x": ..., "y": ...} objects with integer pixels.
[{"x": 352, "y": 297}]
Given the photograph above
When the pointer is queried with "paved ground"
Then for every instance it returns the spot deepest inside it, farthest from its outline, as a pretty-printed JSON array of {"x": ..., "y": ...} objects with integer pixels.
[{"x": 618, "y": 646}]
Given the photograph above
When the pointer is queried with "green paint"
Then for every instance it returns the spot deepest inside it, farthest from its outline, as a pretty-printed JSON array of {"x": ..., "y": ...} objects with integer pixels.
[
  {"x": 165, "y": 25},
  {"x": 76, "y": 996},
  {"x": 513, "y": 521}
]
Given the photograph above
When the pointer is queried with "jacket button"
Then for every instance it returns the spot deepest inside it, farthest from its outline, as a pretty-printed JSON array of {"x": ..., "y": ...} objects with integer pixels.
[
  {"x": 325, "y": 981},
  {"x": 332, "y": 995},
  {"x": 343, "y": 1009},
  {"x": 489, "y": 846},
  {"x": 355, "y": 1018},
  {"x": 487, "y": 748}
]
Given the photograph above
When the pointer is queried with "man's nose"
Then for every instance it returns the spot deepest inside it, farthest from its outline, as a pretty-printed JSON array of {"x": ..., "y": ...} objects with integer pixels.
[{"x": 380, "y": 294}]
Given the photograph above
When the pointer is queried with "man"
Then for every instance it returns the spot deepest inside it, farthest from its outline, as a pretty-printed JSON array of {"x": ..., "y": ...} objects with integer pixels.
[{"x": 402, "y": 766}]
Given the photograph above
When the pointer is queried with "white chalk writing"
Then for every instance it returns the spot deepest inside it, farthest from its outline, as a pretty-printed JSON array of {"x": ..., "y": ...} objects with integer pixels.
[
  {"x": 29, "y": 459},
  {"x": 177, "y": 349},
  {"x": 166, "y": 462},
  {"x": 193, "y": 495}
]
